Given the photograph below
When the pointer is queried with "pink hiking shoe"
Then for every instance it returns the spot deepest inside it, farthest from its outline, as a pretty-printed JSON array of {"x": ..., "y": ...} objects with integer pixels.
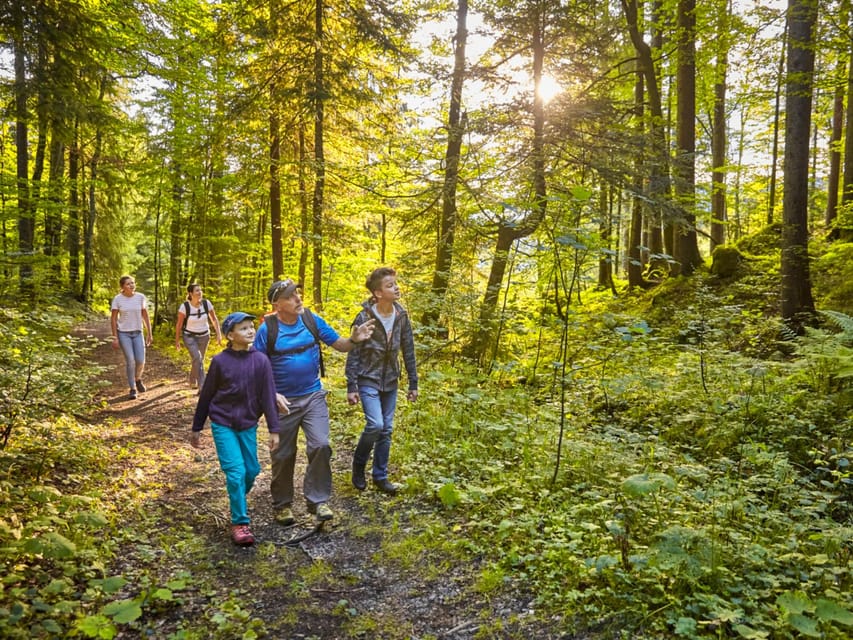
[{"x": 242, "y": 535}]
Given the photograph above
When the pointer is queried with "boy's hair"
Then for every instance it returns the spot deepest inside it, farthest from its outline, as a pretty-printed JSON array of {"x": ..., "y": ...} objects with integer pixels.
[{"x": 374, "y": 280}]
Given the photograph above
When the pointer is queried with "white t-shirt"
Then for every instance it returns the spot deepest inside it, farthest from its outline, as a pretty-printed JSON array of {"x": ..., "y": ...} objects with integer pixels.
[
  {"x": 129, "y": 311},
  {"x": 387, "y": 321},
  {"x": 197, "y": 319}
]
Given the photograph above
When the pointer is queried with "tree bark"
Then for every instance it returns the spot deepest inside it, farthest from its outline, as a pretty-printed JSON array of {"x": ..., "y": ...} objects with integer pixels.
[
  {"x": 686, "y": 244},
  {"x": 797, "y": 303},
  {"x": 275, "y": 161},
  {"x": 455, "y": 132},
  {"x": 26, "y": 222},
  {"x": 719, "y": 150},
  {"x": 774, "y": 156},
  {"x": 319, "y": 157}
]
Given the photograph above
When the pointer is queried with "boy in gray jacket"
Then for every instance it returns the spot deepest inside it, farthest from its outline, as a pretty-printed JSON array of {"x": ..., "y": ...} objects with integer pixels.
[{"x": 373, "y": 373}]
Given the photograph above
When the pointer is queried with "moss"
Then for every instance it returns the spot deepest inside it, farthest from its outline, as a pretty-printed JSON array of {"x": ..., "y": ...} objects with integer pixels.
[
  {"x": 726, "y": 261},
  {"x": 832, "y": 278},
  {"x": 765, "y": 242}
]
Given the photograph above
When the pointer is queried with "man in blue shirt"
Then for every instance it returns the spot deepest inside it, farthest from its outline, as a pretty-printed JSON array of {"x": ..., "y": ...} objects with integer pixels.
[{"x": 296, "y": 370}]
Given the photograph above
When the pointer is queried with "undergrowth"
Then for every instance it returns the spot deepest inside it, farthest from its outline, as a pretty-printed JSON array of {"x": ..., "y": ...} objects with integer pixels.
[
  {"x": 666, "y": 485},
  {"x": 676, "y": 473}
]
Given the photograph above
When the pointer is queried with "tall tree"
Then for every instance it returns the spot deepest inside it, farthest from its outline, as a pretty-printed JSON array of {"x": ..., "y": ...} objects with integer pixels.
[
  {"x": 318, "y": 199},
  {"x": 686, "y": 249},
  {"x": 719, "y": 126},
  {"x": 511, "y": 228},
  {"x": 456, "y": 121},
  {"x": 797, "y": 303}
]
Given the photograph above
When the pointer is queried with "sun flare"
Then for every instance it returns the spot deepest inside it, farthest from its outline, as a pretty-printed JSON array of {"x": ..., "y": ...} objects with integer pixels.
[{"x": 548, "y": 88}]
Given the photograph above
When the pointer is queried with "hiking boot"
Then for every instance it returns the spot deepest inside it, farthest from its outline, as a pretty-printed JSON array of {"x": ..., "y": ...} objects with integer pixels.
[
  {"x": 358, "y": 480},
  {"x": 323, "y": 512},
  {"x": 386, "y": 486},
  {"x": 285, "y": 517},
  {"x": 140, "y": 387},
  {"x": 242, "y": 535},
  {"x": 133, "y": 394}
]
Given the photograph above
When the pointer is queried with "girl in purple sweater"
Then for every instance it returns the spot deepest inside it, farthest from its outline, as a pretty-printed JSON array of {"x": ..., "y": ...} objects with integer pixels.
[{"x": 237, "y": 390}]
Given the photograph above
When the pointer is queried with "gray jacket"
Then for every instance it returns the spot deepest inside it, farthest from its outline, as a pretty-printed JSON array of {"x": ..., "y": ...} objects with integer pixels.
[{"x": 375, "y": 362}]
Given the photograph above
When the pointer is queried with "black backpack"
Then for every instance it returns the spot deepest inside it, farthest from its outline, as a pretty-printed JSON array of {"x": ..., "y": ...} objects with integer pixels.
[
  {"x": 272, "y": 334},
  {"x": 186, "y": 305}
]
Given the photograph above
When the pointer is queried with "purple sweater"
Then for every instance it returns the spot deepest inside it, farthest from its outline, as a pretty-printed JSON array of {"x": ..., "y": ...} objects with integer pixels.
[{"x": 237, "y": 390}]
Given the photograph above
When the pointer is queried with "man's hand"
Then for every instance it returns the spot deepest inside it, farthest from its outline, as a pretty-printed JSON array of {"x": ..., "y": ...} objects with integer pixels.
[
  {"x": 195, "y": 439},
  {"x": 352, "y": 398},
  {"x": 412, "y": 395},
  {"x": 282, "y": 403},
  {"x": 363, "y": 331}
]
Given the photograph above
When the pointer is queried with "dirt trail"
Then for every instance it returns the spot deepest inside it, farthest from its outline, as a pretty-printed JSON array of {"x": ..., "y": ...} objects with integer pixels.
[{"x": 356, "y": 578}]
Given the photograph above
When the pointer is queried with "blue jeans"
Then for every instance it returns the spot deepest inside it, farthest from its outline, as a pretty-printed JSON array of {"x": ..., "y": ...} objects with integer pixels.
[
  {"x": 197, "y": 347},
  {"x": 379, "y": 407},
  {"x": 133, "y": 347},
  {"x": 238, "y": 459}
]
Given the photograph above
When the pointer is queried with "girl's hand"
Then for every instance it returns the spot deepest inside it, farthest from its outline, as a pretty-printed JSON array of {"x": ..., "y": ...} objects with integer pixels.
[
  {"x": 274, "y": 441},
  {"x": 195, "y": 439},
  {"x": 282, "y": 403}
]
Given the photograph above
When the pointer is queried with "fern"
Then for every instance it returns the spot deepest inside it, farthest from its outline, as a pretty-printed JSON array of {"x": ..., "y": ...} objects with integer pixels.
[{"x": 843, "y": 322}]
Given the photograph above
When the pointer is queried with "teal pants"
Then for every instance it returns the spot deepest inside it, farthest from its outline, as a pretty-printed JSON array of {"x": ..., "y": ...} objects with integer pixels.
[{"x": 238, "y": 459}]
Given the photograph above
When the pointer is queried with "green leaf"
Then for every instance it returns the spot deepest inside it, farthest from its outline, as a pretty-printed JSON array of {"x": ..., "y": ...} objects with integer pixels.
[
  {"x": 123, "y": 611},
  {"x": 642, "y": 484},
  {"x": 827, "y": 610},
  {"x": 794, "y": 602},
  {"x": 162, "y": 594},
  {"x": 805, "y": 625},
  {"x": 745, "y": 631},
  {"x": 90, "y": 519},
  {"x": 449, "y": 495},
  {"x": 109, "y": 585},
  {"x": 96, "y": 627},
  {"x": 685, "y": 627}
]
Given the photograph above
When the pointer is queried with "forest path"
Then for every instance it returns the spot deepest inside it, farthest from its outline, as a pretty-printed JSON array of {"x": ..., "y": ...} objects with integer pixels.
[{"x": 369, "y": 573}]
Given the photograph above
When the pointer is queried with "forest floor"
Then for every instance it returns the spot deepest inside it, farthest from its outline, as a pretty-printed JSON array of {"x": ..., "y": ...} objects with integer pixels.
[{"x": 369, "y": 573}]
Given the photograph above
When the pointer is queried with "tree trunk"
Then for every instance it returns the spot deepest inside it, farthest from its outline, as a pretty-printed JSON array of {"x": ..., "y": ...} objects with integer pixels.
[
  {"x": 26, "y": 223},
  {"x": 635, "y": 233},
  {"x": 605, "y": 234},
  {"x": 834, "y": 177},
  {"x": 53, "y": 212},
  {"x": 686, "y": 244},
  {"x": 797, "y": 303},
  {"x": 275, "y": 160},
  {"x": 455, "y": 132},
  {"x": 658, "y": 164},
  {"x": 303, "y": 206},
  {"x": 319, "y": 157},
  {"x": 847, "y": 180},
  {"x": 719, "y": 151},
  {"x": 74, "y": 213},
  {"x": 89, "y": 222},
  {"x": 275, "y": 190},
  {"x": 774, "y": 156},
  {"x": 510, "y": 231}
]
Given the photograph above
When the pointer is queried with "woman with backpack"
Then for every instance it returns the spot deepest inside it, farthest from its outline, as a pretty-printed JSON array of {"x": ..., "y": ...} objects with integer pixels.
[{"x": 193, "y": 328}]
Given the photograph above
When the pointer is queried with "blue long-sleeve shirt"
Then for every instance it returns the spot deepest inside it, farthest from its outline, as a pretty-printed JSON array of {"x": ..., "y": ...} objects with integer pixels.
[{"x": 237, "y": 390}]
